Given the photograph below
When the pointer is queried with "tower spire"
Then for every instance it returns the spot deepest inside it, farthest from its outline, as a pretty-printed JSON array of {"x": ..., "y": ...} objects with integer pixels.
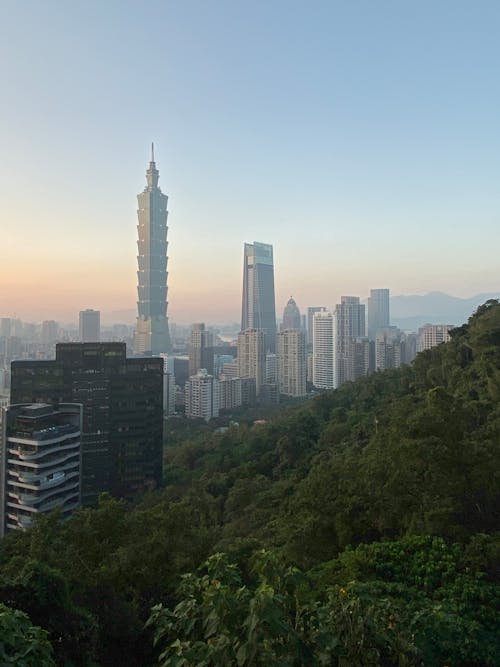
[{"x": 152, "y": 174}]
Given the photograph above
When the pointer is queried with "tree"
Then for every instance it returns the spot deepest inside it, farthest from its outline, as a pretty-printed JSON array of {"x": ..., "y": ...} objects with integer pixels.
[{"x": 21, "y": 643}]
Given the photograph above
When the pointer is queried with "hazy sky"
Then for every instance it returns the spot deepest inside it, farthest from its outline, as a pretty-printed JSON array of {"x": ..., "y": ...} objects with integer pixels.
[{"x": 360, "y": 138}]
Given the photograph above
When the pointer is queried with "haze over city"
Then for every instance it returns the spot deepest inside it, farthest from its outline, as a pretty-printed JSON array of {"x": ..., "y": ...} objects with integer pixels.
[{"x": 360, "y": 139}]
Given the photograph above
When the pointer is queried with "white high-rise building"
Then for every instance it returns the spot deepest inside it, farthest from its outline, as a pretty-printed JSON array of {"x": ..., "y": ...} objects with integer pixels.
[
  {"x": 431, "y": 335},
  {"x": 252, "y": 356},
  {"x": 324, "y": 351},
  {"x": 202, "y": 396},
  {"x": 310, "y": 318},
  {"x": 292, "y": 367}
]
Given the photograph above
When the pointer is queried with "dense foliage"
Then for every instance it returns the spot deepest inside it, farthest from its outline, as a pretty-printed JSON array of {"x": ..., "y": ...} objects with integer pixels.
[
  {"x": 357, "y": 528},
  {"x": 21, "y": 643}
]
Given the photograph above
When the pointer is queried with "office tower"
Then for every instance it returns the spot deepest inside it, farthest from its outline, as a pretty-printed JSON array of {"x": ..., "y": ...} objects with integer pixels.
[
  {"x": 229, "y": 393},
  {"x": 152, "y": 335},
  {"x": 202, "y": 396},
  {"x": 431, "y": 335},
  {"x": 40, "y": 462},
  {"x": 291, "y": 316},
  {"x": 252, "y": 356},
  {"x": 324, "y": 361},
  {"x": 378, "y": 311},
  {"x": 122, "y": 412},
  {"x": 389, "y": 348},
  {"x": 90, "y": 326},
  {"x": 50, "y": 330},
  {"x": 258, "y": 307},
  {"x": 311, "y": 311},
  {"x": 201, "y": 343},
  {"x": 350, "y": 327},
  {"x": 292, "y": 367}
]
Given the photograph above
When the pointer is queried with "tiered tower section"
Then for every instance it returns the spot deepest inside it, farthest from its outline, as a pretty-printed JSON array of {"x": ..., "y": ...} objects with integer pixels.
[{"x": 152, "y": 336}]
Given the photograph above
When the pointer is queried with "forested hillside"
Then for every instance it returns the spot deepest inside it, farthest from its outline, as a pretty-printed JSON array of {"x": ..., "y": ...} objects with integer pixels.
[{"x": 355, "y": 529}]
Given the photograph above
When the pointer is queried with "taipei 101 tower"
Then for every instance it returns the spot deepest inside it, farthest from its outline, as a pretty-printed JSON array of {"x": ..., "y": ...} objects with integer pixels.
[{"x": 151, "y": 335}]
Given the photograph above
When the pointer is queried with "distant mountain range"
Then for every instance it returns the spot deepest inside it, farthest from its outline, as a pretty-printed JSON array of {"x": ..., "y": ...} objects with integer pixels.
[
  {"x": 407, "y": 312},
  {"x": 415, "y": 310}
]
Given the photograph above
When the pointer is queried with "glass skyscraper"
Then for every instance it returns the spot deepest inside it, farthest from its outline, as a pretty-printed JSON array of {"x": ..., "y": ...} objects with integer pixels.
[
  {"x": 152, "y": 335},
  {"x": 258, "y": 304},
  {"x": 378, "y": 311}
]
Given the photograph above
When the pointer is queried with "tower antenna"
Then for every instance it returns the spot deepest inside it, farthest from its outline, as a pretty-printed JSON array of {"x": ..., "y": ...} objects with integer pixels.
[{"x": 152, "y": 152}]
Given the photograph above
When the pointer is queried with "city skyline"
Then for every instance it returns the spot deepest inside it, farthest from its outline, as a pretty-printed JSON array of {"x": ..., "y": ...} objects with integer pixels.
[{"x": 381, "y": 122}]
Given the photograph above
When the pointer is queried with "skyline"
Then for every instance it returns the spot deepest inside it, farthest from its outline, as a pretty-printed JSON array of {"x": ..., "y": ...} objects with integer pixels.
[{"x": 369, "y": 134}]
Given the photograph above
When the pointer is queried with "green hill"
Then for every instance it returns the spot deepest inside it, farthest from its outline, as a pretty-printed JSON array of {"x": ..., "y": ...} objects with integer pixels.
[{"x": 376, "y": 506}]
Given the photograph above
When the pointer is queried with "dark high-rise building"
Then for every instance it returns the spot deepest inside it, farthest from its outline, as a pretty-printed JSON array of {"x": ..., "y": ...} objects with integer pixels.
[
  {"x": 378, "y": 311},
  {"x": 40, "y": 462},
  {"x": 352, "y": 345},
  {"x": 152, "y": 334},
  {"x": 90, "y": 326},
  {"x": 258, "y": 305},
  {"x": 122, "y": 411},
  {"x": 291, "y": 316}
]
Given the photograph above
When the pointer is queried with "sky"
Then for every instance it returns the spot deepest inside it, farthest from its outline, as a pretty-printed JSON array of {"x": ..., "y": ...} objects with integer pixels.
[{"x": 360, "y": 138}]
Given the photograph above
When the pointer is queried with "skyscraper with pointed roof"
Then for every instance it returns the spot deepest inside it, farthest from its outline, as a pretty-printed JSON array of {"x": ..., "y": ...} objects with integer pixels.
[
  {"x": 291, "y": 316},
  {"x": 152, "y": 336}
]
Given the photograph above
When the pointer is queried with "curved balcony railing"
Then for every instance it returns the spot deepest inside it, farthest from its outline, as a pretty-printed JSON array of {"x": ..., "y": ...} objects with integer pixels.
[
  {"x": 41, "y": 452},
  {"x": 68, "y": 472},
  {"x": 38, "y": 466},
  {"x": 42, "y": 501}
]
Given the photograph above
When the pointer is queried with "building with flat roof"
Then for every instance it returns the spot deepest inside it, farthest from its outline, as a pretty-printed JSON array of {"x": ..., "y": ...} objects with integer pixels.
[
  {"x": 202, "y": 396},
  {"x": 431, "y": 335},
  {"x": 89, "y": 326},
  {"x": 378, "y": 312},
  {"x": 292, "y": 365},
  {"x": 122, "y": 398},
  {"x": 324, "y": 358},
  {"x": 252, "y": 356},
  {"x": 40, "y": 462}
]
